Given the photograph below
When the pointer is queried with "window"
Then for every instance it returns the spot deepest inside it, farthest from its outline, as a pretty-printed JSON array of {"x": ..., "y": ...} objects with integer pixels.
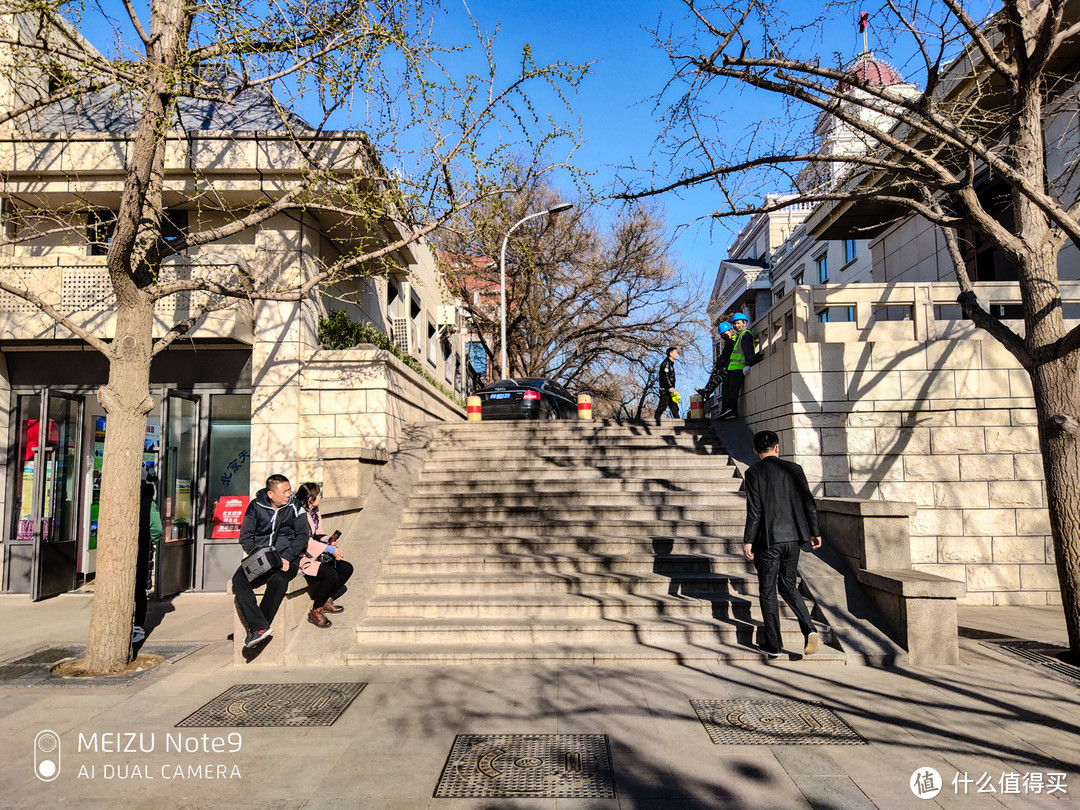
[
  {"x": 392, "y": 292},
  {"x": 100, "y": 224},
  {"x": 174, "y": 225},
  {"x": 474, "y": 351},
  {"x": 823, "y": 268},
  {"x": 431, "y": 342},
  {"x": 798, "y": 280},
  {"x": 850, "y": 251}
]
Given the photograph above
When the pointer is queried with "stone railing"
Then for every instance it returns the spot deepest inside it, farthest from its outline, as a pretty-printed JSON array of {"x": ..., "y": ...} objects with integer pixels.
[{"x": 889, "y": 312}]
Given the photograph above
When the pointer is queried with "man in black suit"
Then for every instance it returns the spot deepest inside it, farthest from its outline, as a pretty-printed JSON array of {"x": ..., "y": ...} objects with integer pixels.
[{"x": 781, "y": 516}]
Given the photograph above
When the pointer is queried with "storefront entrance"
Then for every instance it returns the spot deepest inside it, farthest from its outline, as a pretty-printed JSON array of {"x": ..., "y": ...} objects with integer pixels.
[
  {"x": 57, "y": 439},
  {"x": 45, "y": 532}
]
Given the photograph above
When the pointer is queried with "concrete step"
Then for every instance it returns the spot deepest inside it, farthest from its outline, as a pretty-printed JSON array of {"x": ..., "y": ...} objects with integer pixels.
[
  {"x": 526, "y": 497},
  {"x": 545, "y": 606},
  {"x": 629, "y": 460},
  {"x": 590, "y": 449},
  {"x": 436, "y": 581},
  {"x": 422, "y": 543},
  {"x": 674, "y": 565},
  {"x": 683, "y": 477},
  {"x": 467, "y": 430},
  {"x": 731, "y": 514},
  {"x": 669, "y": 652},
  {"x": 454, "y": 486},
  {"x": 730, "y": 526},
  {"x": 591, "y": 632}
]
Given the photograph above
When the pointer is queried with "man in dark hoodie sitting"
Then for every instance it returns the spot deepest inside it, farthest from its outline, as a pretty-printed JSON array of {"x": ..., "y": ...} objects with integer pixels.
[{"x": 271, "y": 519}]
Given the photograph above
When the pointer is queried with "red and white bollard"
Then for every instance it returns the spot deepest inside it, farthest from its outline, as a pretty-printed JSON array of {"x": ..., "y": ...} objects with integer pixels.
[
  {"x": 473, "y": 408},
  {"x": 584, "y": 406},
  {"x": 697, "y": 407}
]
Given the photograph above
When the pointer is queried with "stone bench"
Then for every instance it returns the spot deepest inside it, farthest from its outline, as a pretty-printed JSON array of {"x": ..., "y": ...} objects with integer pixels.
[{"x": 293, "y": 610}]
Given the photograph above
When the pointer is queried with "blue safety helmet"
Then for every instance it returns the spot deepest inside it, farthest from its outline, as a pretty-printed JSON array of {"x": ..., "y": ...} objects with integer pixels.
[
  {"x": 738, "y": 316},
  {"x": 724, "y": 326}
]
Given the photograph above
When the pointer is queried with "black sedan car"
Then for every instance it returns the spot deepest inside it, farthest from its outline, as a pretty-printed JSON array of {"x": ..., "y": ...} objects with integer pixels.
[{"x": 531, "y": 398}]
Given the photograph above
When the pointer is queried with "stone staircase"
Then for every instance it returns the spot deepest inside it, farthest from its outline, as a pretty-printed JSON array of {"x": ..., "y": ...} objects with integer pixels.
[{"x": 583, "y": 542}]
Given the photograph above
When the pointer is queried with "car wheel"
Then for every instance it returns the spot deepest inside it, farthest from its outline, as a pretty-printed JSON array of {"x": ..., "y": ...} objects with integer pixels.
[{"x": 551, "y": 412}]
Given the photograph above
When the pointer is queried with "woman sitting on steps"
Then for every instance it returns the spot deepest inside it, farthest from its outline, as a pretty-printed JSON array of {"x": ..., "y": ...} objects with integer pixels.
[{"x": 324, "y": 563}]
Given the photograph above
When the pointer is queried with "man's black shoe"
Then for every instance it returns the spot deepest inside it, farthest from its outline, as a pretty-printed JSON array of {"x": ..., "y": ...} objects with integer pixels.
[
  {"x": 771, "y": 653},
  {"x": 257, "y": 637}
]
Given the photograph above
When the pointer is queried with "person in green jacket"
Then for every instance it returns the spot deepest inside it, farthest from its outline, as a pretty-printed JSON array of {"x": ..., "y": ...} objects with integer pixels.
[
  {"x": 149, "y": 536},
  {"x": 719, "y": 369},
  {"x": 742, "y": 352}
]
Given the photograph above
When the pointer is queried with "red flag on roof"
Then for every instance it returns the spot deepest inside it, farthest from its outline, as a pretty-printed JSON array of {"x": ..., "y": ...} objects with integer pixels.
[{"x": 864, "y": 21}]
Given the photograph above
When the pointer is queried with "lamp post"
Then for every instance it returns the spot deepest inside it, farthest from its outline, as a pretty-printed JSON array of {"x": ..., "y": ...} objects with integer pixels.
[{"x": 502, "y": 277}]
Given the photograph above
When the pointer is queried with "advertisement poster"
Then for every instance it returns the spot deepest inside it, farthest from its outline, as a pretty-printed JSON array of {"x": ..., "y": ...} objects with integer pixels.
[{"x": 228, "y": 515}]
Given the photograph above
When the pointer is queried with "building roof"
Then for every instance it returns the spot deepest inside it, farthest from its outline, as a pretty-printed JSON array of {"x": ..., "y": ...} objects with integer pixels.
[
  {"x": 109, "y": 110},
  {"x": 874, "y": 71}
]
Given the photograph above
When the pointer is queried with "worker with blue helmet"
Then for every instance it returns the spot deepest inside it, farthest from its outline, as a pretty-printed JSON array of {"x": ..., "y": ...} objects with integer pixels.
[{"x": 721, "y": 353}]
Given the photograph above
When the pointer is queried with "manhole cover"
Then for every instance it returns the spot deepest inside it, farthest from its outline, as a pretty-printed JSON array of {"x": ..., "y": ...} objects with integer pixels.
[
  {"x": 541, "y": 766},
  {"x": 773, "y": 722},
  {"x": 1042, "y": 654},
  {"x": 276, "y": 704}
]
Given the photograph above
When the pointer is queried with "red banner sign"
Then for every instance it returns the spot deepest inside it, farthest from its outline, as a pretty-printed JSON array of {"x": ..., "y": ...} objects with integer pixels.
[{"x": 228, "y": 515}]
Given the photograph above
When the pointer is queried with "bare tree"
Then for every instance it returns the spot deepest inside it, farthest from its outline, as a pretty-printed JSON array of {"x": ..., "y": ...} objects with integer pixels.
[
  {"x": 585, "y": 302},
  {"x": 990, "y": 88},
  {"x": 371, "y": 68}
]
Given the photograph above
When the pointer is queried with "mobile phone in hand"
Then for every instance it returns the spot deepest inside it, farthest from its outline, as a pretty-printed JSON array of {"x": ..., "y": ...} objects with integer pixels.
[{"x": 332, "y": 539}]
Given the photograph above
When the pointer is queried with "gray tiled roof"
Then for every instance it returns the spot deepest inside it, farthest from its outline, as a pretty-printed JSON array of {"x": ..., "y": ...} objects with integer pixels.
[{"x": 113, "y": 110}]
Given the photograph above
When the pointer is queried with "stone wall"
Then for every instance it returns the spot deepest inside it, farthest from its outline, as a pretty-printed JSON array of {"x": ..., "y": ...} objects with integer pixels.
[
  {"x": 948, "y": 423},
  {"x": 354, "y": 404}
]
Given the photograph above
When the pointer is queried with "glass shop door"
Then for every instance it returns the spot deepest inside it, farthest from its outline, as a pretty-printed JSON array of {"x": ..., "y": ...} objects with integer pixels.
[
  {"x": 178, "y": 495},
  {"x": 47, "y": 492}
]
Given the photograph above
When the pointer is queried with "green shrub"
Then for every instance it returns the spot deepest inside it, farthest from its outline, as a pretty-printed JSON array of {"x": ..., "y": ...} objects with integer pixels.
[{"x": 337, "y": 331}]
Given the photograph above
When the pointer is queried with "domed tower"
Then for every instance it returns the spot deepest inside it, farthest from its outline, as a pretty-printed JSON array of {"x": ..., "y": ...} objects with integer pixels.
[{"x": 837, "y": 138}]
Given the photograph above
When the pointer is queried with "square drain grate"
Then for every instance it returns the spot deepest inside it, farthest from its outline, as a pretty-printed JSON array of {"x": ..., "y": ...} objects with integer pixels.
[
  {"x": 773, "y": 722},
  {"x": 276, "y": 704},
  {"x": 47, "y": 658},
  {"x": 538, "y": 766},
  {"x": 35, "y": 669},
  {"x": 1041, "y": 654}
]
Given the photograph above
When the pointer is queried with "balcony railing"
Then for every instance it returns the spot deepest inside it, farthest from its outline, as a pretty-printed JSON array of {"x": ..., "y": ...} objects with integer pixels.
[
  {"x": 846, "y": 313},
  {"x": 84, "y": 293}
]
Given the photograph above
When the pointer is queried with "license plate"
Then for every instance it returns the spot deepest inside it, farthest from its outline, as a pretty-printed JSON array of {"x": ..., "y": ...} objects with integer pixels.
[{"x": 500, "y": 396}]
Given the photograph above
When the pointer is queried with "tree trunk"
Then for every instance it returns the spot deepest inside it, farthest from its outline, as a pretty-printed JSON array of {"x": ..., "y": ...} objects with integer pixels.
[
  {"x": 1057, "y": 401},
  {"x": 126, "y": 400}
]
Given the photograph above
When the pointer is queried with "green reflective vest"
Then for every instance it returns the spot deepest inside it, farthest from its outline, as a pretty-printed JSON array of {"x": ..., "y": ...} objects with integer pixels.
[{"x": 737, "y": 362}]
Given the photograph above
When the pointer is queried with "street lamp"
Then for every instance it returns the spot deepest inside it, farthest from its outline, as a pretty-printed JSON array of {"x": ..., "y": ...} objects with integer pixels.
[{"x": 502, "y": 276}]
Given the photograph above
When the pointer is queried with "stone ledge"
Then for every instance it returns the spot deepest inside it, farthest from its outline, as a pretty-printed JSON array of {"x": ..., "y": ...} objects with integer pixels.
[
  {"x": 375, "y": 455},
  {"x": 913, "y": 584},
  {"x": 340, "y": 506},
  {"x": 866, "y": 508}
]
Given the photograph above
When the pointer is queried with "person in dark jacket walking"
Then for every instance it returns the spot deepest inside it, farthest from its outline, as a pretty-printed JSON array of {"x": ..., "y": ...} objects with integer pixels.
[
  {"x": 719, "y": 369},
  {"x": 781, "y": 516},
  {"x": 271, "y": 519},
  {"x": 667, "y": 385}
]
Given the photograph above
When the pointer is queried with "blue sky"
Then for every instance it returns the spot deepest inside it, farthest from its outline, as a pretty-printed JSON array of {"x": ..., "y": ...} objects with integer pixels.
[{"x": 619, "y": 120}]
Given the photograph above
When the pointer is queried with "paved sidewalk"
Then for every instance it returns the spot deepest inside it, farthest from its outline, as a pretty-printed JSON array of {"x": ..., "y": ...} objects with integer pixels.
[{"x": 994, "y": 715}]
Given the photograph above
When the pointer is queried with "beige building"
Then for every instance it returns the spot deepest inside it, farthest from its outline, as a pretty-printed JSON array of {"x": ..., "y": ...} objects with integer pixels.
[
  {"x": 248, "y": 391},
  {"x": 881, "y": 389}
]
